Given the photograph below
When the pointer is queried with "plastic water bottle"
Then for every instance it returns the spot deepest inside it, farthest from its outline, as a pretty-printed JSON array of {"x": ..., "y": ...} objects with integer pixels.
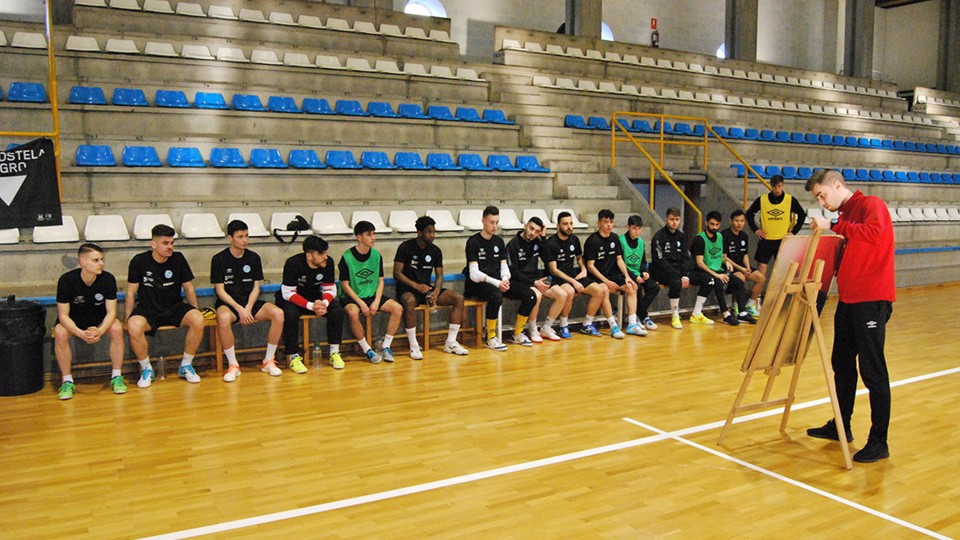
[
  {"x": 161, "y": 368},
  {"x": 315, "y": 355}
]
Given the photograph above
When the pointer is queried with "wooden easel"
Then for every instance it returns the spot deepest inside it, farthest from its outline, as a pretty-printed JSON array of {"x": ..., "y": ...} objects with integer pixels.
[{"x": 782, "y": 337}]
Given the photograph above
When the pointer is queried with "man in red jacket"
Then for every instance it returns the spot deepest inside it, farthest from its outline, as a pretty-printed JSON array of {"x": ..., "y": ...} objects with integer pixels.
[{"x": 867, "y": 291}]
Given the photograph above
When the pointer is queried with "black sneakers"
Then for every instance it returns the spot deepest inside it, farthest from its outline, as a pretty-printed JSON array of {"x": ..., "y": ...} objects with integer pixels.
[
  {"x": 747, "y": 318},
  {"x": 732, "y": 320},
  {"x": 873, "y": 451},
  {"x": 829, "y": 431}
]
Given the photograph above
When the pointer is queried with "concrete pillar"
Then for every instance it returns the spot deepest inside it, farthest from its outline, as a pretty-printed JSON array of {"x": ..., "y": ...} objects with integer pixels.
[
  {"x": 831, "y": 21},
  {"x": 741, "y": 29},
  {"x": 383, "y": 5},
  {"x": 584, "y": 18},
  {"x": 948, "y": 61},
  {"x": 858, "y": 41}
]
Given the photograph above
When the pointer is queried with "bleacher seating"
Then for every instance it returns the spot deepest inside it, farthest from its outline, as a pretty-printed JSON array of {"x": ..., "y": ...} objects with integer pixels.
[
  {"x": 373, "y": 217},
  {"x": 267, "y": 158},
  {"x": 67, "y": 232},
  {"x": 305, "y": 159},
  {"x": 87, "y": 95},
  {"x": 27, "y": 92},
  {"x": 227, "y": 158},
  {"x": 185, "y": 157},
  {"x": 201, "y": 226},
  {"x": 105, "y": 228},
  {"x": 99, "y": 155},
  {"x": 255, "y": 228},
  {"x": 210, "y": 100},
  {"x": 140, "y": 156},
  {"x": 329, "y": 223},
  {"x": 341, "y": 159},
  {"x": 132, "y": 97},
  {"x": 171, "y": 98}
]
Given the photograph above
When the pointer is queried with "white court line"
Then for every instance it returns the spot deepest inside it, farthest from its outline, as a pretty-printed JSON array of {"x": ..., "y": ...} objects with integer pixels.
[
  {"x": 501, "y": 471},
  {"x": 796, "y": 483}
]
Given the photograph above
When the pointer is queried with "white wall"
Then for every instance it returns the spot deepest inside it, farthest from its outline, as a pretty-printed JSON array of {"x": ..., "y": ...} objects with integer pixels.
[
  {"x": 905, "y": 44},
  {"x": 23, "y": 10},
  {"x": 794, "y": 33},
  {"x": 688, "y": 25}
]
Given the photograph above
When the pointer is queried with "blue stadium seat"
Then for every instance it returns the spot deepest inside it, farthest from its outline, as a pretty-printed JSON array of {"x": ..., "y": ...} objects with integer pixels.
[
  {"x": 849, "y": 174},
  {"x": 913, "y": 176},
  {"x": 575, "y": 121},
  {"x": 789, "y": 172},
  {"x": 266, "y": 158},
  {"x": 758, "y": 168},
  {"x": 442, "y": 162},
  {"x": 804, "y": 172},
  {"x": 227, "y": 158},
  {"x": 1, "y": 94},
  {"x": 682, "y": 128},
  {"x": 349, "y": 107},
  {"x": 863, "y": 142},
  {"x": 27, "y": 92},
  {"x": 283, "y": 104},
  {"x": 185, "y": 157},
  {"x": 89, "y": 155},
  {"x": 825, "y": 139},
  {"x": 667, "y": 128},
  {"x": 210, "y": 100},
  {"x": 131, "y": 97},
  {"x": 953, "y": 149},
  {"x": 863, "y": 174},
  {"x": 910, "y": 146},
  {"x": 341, "y": 159},
  {"x": 941, "y": 148},
  {"x": 888, "y": 176},
  {"x": 411, "y": 110},
  {"x": 410, "y": 161},
  {"x": 317, "y": 106},
  {"x": 876, "y": 143},
  {"x": 936, "y": 178},
  {"x": 496, "y": 116},
  {"x": 624, "y": 125},
  {"x": 899, "y": 145},
  {"x": 305, "y": 159},
  {"x": 738, "y": 168},
  {"x": 530, "y": 164},
  {"x": 371, "y": 159},
  {"x": 500, "y": 162},
  {"x": 771, "y": 170},
  {"x": 930, "y": 147},
  {"x": 440, "y": 112},
  {"x": 875, "y": 175},
  {"x": 140, "y": 156},
  {"x": 886, "y": 144},
  {"x": 171, "y": 98},
  {"x": 247, "y": 102},
  {"x": 381, "y": 109},
  {"x": 751, "y": 134},
  {"x": 767, "y": 135},
  {"x": 925, "y": 178},
  {"x": 643, "y": 126},
  {"x": 839, "y": 140},
  {"x": 721, "y": 131},
  {"x": 87, "y": 95},
  {"x": 468, "y": 114},
  {"x": 900, "y": 176},
  {"x": 797, "y": 137},
  {"x": 472, "y": 162},
  {"x": 598, "y": 122},
  {"x": 811, "y": 138},
  {"x": 698, "y": 130},
  {"x": 783, "y": 136},
  {"x": 956, "y": 178},
  {"x": 851, "y": 141}
]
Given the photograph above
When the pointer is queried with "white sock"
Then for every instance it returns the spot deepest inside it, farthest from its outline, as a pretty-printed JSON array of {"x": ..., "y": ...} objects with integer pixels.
[
  {"x": 631, "y": 319},
  {"x": 564, "y": 321},
  {"x": 751, "y": 302},
  {"x": 452, "y": 331},
  {"x": 612, "y": 321},
  {"x": 362, "y": 342},
  {"x": 271, "y": 351},
  {"x": 387, "y": 341},
  {"x": 187, "y": 359},
  {"x": 231, "y": 356},
  {"x": 334, "y": 348},
  {"x": 145, "y": 363},
  {"x": 113, "y": 373},
  {"x": 675, "y": 306},
  {"x": 588, "y": 320},
  {"x": 532, "y": 325},
  {"x": 68, "y": 378},
  {"x": 412, "y": 338},
  {"x": 698, "y": 307},
  {"x": 726, "y": 314},
  {"x": 548, "y": 322}
]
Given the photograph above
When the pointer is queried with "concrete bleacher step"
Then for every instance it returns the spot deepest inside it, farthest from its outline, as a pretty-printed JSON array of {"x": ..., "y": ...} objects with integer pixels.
[{"x": 591, "y": 192}]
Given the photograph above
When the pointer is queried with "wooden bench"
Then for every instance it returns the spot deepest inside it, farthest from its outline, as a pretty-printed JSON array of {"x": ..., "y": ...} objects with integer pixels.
[{"x": 477, "y": 329}]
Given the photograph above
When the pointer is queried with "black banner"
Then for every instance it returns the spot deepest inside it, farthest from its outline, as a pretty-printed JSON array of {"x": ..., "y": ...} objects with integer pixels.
[{"x": 29, "y": 194}]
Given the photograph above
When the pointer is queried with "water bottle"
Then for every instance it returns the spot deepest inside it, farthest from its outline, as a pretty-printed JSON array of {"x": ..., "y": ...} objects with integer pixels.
[
  {"x": 161, "y": 368},
  {"x": 315, "y": 355}
]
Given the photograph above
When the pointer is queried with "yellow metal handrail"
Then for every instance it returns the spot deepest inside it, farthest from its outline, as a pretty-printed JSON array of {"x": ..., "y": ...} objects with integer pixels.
[{"x": 52, "y": 92}]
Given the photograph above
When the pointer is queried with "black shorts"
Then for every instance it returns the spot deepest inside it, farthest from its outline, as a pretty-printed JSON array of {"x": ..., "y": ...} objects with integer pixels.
[
  {"x": 518, "y": 290},
  {"x": 81, "y": 323},
  {"x": 170, "y": 317},
  {"x": 256, "y": 307},
  {"x": 766, "y": 249},
  {"x": 346, "y": 300},
  {"x": 419, "y": 297}
]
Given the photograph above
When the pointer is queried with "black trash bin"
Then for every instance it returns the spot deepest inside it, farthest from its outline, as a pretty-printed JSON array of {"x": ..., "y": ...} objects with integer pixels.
[{"x": 22, "y": 327}]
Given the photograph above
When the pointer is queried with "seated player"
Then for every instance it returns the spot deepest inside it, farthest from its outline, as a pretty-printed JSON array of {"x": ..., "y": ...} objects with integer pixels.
[
  {"x": 736, "y": 244},
  {"x": 604, "y": 256},
  {"x": 635, "y": 257},
  {"x": 671, "y": 263},
  {"x": 309, "y": 287},
  {"x": 154, "y": 279},
  {"x": 523, "y": 257},
  {"x": 488, "y": 279},
  {"x": 710, "y": 273},
  {"x": 361, "y": 278},
  {"x": 87, "y": 309},
  {"x": 236, "y": 273},
  {"x": 563, "y": 257},
  {"x": 416, "y": 261}
]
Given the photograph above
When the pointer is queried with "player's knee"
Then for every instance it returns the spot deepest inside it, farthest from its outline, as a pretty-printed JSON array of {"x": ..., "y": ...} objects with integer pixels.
[
  {"x": 193, "y": 319},
  {"x": 116, "y": 330},
  {"x": 60, "y": 334},
  {"x": 136, "y": 326}
]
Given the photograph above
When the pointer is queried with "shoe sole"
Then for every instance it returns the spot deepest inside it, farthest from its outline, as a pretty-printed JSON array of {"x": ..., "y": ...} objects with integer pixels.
[
  {"x": 827, "y": 437},
  {"x": 885, "y": 455}
]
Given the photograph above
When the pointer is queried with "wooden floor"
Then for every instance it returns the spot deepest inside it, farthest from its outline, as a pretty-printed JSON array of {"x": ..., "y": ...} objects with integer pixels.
[{"x": 528, "y": 444}]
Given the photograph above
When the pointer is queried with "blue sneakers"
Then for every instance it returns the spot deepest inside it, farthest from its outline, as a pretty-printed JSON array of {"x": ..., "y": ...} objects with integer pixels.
[
  {"x": 565, "y": 332},
  {"x": 590, "y": 330},
  {"x": 188, "y": 373},
  {"x": 146, "y": 378}
]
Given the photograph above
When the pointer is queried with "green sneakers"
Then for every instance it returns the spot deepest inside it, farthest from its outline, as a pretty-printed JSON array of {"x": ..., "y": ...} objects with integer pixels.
[
  {"x": 117, "y": 385},
  {"x": 67, "y": 390},
  {"x": 296, "y": 364}
]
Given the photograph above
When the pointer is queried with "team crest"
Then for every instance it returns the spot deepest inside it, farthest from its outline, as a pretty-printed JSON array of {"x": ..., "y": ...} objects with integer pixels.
[
  {"x": 168, "y": 274},
  {"x": 246, "y": 269}
]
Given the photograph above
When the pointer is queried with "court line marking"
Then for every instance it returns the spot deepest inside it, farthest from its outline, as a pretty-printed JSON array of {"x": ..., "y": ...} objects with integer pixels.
[
  {"x": 795, "y": 483},
  {"x": 500, "y": 471}
]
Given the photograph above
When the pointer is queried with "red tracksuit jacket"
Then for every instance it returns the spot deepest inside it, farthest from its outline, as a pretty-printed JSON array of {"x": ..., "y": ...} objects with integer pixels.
[{"x": 866, "y": 270}]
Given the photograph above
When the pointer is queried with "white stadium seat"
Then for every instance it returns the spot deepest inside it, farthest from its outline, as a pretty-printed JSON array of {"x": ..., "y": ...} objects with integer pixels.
[
  {"x": 57, "y": 233},
  {"x": 143, "y": 224},
  {"x": 200, "y": 226},
  {"x": 105, "y": 228},
  {"x": 328, "y": 223}
]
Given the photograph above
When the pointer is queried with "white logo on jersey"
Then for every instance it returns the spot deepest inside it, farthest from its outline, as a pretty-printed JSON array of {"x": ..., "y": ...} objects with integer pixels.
[
  {"x": 871, "y": 324},
  {"x": 98, "y": 297},
  {"x": 319, "y": 277},
  {"x": 496, "y": 249},
  {"x": 168, "y": 274},
  {"x": 536, "y": 247},
  {"x": 743, "y": 242},
  {"x": 571, "y": 247},
  {"x": 611, "y": 245},
  {"x": 428, "y": 258},
  {"x": 246, "y": 269}
]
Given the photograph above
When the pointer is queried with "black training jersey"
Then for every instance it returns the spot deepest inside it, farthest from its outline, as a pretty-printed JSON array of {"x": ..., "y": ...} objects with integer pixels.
[
  {"x": 735, "y": 245},
  {"x": 487, "y": 253},
  {"x": 669, "y": 249},
  {"x": 237, "y": 275},
  {"x": 603, "y": 252},
  {"x": 87, "y": 302},
  {"x": 523, "y": 258},
  {"x": 308, "y": 281},
  {"x": 160, "y": 283},
  {"x": 418, "y": 264},
  {"x": 563, "y": 252}
]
